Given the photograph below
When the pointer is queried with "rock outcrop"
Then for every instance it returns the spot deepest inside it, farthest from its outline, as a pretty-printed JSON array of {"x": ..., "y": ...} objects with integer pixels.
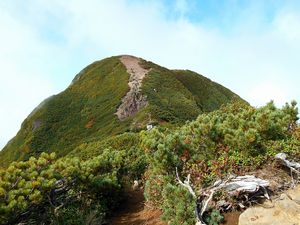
[
  {"x": 285, "y": 210},
  {"x": 133, "y": 101}
]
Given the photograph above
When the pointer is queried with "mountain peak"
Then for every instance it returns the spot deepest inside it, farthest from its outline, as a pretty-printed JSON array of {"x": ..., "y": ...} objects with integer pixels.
[{"x": 112, "y": 96}]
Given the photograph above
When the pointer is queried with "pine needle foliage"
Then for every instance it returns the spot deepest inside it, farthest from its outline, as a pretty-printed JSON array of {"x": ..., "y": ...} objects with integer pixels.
[{"x": 234, "y": 139}]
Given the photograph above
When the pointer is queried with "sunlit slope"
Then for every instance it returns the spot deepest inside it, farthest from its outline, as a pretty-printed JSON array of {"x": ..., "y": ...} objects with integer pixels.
[{"x": 86, "y": 111}]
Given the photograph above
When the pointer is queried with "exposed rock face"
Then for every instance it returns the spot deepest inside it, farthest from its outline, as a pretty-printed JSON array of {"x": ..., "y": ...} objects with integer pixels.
[
  {"x": 133, "y": 100},
  {"x": 283, "y": 211},
  {"x": 36, "y": 124}
]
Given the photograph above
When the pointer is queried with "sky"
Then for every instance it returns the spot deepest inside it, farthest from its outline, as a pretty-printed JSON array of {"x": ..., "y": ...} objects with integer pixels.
[{"x": 251, "y": 47}]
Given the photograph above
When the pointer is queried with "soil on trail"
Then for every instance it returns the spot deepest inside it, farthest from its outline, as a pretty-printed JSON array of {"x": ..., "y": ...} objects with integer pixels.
[
  {"x": 231, "y": 218},
  {"x": 135, "y": 212}
]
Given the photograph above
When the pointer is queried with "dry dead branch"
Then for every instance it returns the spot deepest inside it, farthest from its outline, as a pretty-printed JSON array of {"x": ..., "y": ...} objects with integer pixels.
[
  {"x": 186, "y": 184},
  {"x": 234, "y": 186},
  {"x": 249, "y": 186},
  {"x": 293, "y": 166}
]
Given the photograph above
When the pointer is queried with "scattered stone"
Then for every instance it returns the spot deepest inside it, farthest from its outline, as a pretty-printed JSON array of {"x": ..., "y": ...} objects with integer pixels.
[
  {"x": 149, "y": 126},
  {"x": 135, "y": 185},
  {"x": 36, "y": 124}
]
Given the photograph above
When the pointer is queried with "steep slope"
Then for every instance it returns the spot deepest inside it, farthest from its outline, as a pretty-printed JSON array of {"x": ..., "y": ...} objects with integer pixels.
[
  {"x": 209, "y": 95},
  {"x": 83, "y": 111},
  {"x": 110, "y": 97}
]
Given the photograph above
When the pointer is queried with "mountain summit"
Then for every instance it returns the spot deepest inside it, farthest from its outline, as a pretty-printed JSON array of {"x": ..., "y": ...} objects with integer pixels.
[{"x": 112, "y": 96}]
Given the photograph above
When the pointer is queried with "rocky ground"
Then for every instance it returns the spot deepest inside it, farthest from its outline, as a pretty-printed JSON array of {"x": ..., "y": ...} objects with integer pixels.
[
  {"x": 283, "y": 210},
  {"x": 133, "y": 101}
]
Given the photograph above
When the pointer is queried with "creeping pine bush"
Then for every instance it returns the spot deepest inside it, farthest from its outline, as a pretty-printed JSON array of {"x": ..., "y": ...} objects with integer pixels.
[
  {"x": 31, "y": 190},
  {"x": 234, "y": 139}
]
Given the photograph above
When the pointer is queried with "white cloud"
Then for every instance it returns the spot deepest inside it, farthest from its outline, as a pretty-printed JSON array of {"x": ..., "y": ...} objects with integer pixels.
[
  {"x": 288, "y": 25},
  {"x": 22, "y": 84},
  {"x": 41, "y": 50},
  {"x": 264, "y": 92}
]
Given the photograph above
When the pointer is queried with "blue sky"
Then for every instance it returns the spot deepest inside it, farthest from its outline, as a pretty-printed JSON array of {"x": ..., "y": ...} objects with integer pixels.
[{"x": 251, "y": 47}]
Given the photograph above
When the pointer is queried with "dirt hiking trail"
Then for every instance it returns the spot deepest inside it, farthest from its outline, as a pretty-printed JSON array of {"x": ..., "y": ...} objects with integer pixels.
[{"x": 135, "y": 212}]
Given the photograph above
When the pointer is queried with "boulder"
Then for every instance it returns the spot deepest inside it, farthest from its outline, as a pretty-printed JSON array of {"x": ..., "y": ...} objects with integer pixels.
[
  {"x": 285, "y": 210},
  {"x": 294, "y": 194}
]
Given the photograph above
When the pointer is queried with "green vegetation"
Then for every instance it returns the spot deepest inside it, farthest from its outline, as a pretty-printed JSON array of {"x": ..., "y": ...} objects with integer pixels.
[
  {"x": 208, "y": 95},
  {"x": 84, "y": 111},
  {"x": 89, "y": 181},
  {"x": 54, "y": 190},
  {"x": 168, "y": 99},
  {"x": 97, "y": 156},
  {"x": 232, "y": 140},
  {"x": 83, "y": 114}
]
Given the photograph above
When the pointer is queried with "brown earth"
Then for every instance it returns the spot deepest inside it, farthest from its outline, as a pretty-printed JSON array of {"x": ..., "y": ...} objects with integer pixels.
[
  {"x": 135, "y": 212},
  {"x": 231, "y": 218}
]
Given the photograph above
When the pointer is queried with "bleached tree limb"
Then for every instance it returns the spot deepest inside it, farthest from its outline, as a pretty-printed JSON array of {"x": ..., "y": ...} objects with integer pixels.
[
  {"x": 235, "y": 186},
  {"x": 212, "y": 192},
  {"x": 293, "y": 166},
  {"x": 232, "y": 185},
  {"x": 186, "y": 184},
  {"x": 247, "y": 183}
]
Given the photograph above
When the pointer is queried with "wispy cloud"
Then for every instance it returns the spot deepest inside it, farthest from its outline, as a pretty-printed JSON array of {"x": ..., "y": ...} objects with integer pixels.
[{"x": 43, "y": 44}]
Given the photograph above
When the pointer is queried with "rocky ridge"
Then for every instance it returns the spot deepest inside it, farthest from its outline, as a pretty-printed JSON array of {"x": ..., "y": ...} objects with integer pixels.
[{"x": 133, "y": 101}]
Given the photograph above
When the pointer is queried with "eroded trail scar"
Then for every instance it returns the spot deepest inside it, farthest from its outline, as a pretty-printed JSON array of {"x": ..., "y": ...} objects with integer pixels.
[{"x": 133, "y": 101}]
